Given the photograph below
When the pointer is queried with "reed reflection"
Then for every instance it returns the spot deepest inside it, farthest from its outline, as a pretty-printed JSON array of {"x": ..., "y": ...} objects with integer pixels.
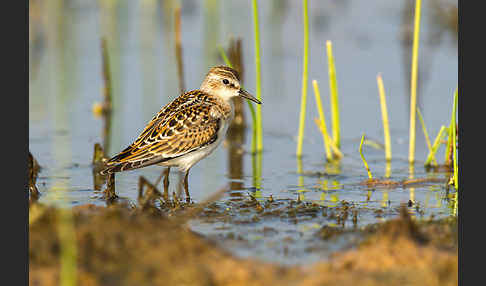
[
  {"x": 236, "y": 131},
  {"x": 105, "y": 110},
  {"x": 327, "y": 186},
  {"x": 385, "y": 200}
]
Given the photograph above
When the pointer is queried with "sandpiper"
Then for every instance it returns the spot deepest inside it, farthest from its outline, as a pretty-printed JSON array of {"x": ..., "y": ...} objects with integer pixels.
[{"x": 187, "y": 129}]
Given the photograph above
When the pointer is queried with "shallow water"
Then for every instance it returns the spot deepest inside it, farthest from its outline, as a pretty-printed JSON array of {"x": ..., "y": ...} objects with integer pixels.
[{"x": 66, "y": 80}]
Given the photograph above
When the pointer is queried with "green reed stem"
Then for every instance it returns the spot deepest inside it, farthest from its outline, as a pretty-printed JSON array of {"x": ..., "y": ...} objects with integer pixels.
[
  {"x": 107, "y": 88},
  {"x": 68, "y": 251},
  {"x": 225, "y": 57},
  {"x": 303, "y": 100},
  {"x": 435, "y": 147},
  {"x": 334, "y": 96},
  {"x": 388, "y": 169},
  {"x": 362, "y": 157},
  {"x": 447, "y": 159},
  {"x": 257, "y": 171},
  {"x": 300, "y": 170},
  {"x": 258, "y": 69},
  {"x": 250, "y": 105},
  {"x": 413, "y": 84},
  {"x": 336, "y": 153},
  {"x": 325, "y": 134},
  {"x": 178, "y": 48},
  {"x": 426, "y": 134},
  {"x": 450, "y": 145},
  {"x": 384, "y": 116},
  {"x": 455, "y": 205},
  {"x": 66, "y": 233},
  {"x": 107, "y": 95},
  {"x": 454, "y": 139}
]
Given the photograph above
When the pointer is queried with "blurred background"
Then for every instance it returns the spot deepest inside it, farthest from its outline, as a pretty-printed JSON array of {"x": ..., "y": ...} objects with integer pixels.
[{"x": 369, "y": 37}]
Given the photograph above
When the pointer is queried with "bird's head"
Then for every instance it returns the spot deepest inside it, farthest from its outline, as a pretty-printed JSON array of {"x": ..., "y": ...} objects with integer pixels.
[{"x": 224, "y": 82}]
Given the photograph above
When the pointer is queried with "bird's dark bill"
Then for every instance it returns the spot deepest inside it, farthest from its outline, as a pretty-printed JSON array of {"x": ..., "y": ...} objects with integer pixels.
[{"x": 247, "y": 95}]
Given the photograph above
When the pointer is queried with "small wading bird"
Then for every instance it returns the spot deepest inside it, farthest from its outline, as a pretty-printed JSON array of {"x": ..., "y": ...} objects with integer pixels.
[{"x": 186, "y": 130}]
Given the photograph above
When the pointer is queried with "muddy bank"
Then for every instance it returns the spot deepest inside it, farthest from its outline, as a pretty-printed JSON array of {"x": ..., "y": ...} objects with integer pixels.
[{"x": 121, "y": 245}]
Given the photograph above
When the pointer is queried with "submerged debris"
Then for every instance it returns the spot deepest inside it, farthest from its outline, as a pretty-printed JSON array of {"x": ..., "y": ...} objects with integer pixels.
[
  {"x": 98, "y": 155},
  {"x": 147, "y": 194},
  {"x": 396, "y": 184},
  {"x": 109, "y": 193},
  {"x": 326, "y": 232},
  {"x": 98, "y": 163},
  {"x": 439, "y": 168},
  {"x": 378, "y": 182},
  {"x": 33, "y": 173}
]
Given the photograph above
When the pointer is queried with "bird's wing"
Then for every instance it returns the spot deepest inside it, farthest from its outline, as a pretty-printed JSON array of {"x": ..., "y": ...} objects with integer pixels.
[{"x": 176, "y": 133}]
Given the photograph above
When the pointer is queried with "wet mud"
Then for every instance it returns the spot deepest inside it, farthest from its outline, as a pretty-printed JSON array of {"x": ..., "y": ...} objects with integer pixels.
[{"x": 125, "y": 245}]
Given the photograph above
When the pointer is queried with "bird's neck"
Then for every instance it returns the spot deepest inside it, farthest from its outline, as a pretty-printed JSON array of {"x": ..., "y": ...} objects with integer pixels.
[{"x": 224, "y": 106}]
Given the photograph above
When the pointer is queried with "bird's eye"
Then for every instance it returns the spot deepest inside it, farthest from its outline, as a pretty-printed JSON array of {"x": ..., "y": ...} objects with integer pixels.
[{"x": 225, "y": 81}]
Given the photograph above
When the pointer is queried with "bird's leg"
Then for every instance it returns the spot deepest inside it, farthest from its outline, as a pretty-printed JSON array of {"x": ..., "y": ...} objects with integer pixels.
[
  {"x": 166, "y": 184},
  {"x": 159, "y": 178},
  {"x": 165, "y": 173},
  {"x": 179, "y": 185},
  {"x": 186, "y": 187}
]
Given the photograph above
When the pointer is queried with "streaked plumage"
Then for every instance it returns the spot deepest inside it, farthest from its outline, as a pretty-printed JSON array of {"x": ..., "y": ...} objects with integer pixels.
[
  {"x": 183, "y": 126},
  {"x": 187, "y": 129}
]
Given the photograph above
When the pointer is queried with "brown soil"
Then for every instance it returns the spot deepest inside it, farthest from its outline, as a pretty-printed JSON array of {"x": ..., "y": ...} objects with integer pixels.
[{"x": 119, "y": 245}]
